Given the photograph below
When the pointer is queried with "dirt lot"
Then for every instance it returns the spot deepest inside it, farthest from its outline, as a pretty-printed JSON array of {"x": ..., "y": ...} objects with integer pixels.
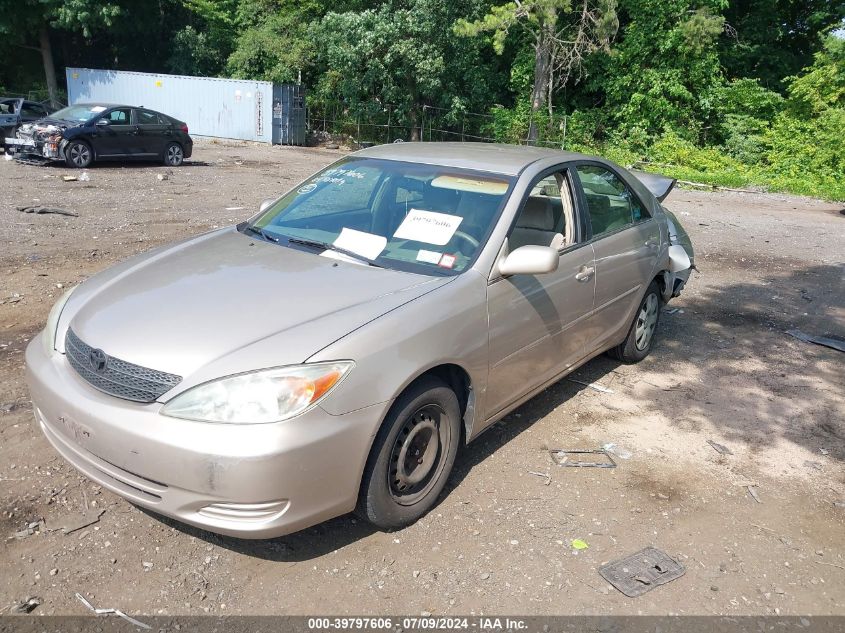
[{"x": 500, "y": 542}]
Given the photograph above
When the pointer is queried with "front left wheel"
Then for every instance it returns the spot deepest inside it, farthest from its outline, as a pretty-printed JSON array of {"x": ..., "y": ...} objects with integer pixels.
[
  {"x": 412, "y": 455},
  {"x": 78, "y": 154}
]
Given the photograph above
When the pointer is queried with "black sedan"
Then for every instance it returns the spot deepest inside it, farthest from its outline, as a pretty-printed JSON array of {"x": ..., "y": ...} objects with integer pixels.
[{"x": 85, "y": 132}]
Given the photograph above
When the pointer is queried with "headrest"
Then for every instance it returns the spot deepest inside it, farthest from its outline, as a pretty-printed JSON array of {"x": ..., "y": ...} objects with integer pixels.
[{"x": 537, "y": 214}]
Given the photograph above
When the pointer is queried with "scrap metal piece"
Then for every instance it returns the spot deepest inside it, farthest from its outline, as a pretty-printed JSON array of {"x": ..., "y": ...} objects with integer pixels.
[
  {"x": 642, "y": 572},
  {"x": 42, "y": 210},
  {"x": 561, "y": 458},
  {"x": 818, "y": 340},
  {"x": 116, "y": 612},
  {"x": 25, "y": 606},
  {"x": 720, "y": 448}
]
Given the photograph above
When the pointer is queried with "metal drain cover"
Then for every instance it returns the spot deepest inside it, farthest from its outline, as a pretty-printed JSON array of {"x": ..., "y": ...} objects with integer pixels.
[{"x": 642, "y": 572}]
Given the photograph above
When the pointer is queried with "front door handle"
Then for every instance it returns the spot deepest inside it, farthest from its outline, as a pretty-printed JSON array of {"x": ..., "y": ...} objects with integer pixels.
[
  {"x": 585, "y": 273},
  {"x": 651, "y": 243}
]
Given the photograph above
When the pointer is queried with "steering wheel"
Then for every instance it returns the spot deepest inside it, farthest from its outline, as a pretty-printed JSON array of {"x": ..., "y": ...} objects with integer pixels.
[{"x": 467, "y": 238}]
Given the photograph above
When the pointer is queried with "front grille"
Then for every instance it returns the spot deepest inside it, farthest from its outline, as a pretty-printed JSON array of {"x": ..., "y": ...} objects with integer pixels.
[{"x": 114, "y": 376}]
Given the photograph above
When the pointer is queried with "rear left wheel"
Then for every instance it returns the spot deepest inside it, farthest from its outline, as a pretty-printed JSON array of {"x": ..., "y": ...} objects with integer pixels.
[{"x": 412, "y": 456}]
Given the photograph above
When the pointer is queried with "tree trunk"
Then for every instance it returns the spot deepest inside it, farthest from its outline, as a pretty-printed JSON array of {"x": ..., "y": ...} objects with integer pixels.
[
  {"x": 413, "y": 119},
  {"x": 542, "y": 62},
  {"x": 49, "y": 68}
]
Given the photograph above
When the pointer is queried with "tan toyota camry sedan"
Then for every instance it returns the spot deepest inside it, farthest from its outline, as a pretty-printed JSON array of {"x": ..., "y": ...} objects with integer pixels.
[{"x": 335, "y": 352}]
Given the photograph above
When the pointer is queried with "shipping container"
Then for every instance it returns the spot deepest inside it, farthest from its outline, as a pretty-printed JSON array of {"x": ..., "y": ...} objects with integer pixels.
[{"x": 218, "y": 108}]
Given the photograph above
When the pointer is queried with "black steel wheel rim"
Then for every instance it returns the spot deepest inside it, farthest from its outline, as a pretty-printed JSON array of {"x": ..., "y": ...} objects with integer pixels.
[{"x": 418, "y": 454}]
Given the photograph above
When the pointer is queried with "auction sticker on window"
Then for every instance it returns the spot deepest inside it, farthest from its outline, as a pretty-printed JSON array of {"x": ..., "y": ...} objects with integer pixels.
[
  {"x": 365, "y": 244},
  {"x": 430, "y": 257},
  {"x": 428, "y": 226}
]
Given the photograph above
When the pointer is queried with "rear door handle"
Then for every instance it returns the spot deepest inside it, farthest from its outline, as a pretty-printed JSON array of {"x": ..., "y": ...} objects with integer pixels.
[
  {"x": 651, "y": 243},
  {"x": 585, "y": 273}
]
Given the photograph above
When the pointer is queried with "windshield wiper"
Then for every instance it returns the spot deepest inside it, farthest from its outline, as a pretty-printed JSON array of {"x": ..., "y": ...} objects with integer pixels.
[
  {"x": 331, "y": 247},
  {"x": 262, "y": 233}
]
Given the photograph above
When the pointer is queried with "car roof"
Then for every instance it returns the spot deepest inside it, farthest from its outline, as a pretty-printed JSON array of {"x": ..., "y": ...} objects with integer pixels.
[
  {"x": 103, "y": 105},
  {"x": 491, "y": 157}
]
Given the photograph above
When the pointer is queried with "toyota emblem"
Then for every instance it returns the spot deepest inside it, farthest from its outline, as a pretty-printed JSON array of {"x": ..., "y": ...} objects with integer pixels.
[{"x": 97, "y": 359}]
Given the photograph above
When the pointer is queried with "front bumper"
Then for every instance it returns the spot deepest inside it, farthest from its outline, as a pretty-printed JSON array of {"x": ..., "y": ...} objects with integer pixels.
[
  {"x": 248, "y": 481},
  {"x": 47, "y": 149}
]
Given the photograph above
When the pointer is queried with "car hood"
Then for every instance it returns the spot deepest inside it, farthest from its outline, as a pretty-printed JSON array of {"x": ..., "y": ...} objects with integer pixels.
[{"x": 224, "y": 303}]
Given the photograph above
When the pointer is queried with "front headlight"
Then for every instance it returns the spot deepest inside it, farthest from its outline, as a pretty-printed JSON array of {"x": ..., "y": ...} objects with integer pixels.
[
  {"x": 268, "y": 395},
  {"x": 49, "y": 336}
]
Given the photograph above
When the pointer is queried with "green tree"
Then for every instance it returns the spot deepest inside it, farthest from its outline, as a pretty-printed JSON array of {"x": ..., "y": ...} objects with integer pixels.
[
  {"x": 770, "y": 40},
  {"x": 273, "y": 43},
  {"x": 203, "y": 45},
  {"x": 403, "y": 53},
  {"x": 561, "y": 32},
  {"x": 27, "y": 23},
  {"x": 665, "y": 71}
]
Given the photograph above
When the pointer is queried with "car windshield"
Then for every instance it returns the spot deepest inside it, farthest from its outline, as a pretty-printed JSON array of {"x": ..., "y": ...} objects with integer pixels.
[
  {"x": 78, "y": 113},
  {"x": 418, "y": 218}
]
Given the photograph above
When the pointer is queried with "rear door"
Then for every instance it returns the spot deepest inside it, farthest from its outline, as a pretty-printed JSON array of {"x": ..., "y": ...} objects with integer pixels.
[
  {"x": 626, "y": 241},
  {"x": 152, "y": 133}
]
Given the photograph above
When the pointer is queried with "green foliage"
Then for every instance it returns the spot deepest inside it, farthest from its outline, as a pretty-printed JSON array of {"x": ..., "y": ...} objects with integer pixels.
[
  {"x": 823, "y": 85},
  {"x": 400, "y": 54},
  {"x": 274, "y": 43}
]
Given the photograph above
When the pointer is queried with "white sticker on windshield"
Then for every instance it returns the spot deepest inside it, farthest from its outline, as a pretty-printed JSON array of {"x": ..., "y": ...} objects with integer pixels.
[
  {"x": 98, "y": 109},
  {"x": 360, "y": 243},
  {"x": 428, "y": 226},
  {"x": 430, "y": 257}
]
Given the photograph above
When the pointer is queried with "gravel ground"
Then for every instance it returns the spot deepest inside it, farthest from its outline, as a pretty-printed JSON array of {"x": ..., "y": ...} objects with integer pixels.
[{"x": 500, "y": 542}]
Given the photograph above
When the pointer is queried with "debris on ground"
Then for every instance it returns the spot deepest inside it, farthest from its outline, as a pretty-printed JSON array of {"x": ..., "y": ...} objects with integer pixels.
[
  {"x": 116, "y": 612},
  {"x": 811, "y": 464},
  {"x": 720, "y": 448},
  {"x": 25, "y": 606},
  {"x": 752, "y": 490},
  {"x": 579, "y": 544},
  {"x": 642, "y": 572},
  {"x": 161, "y": 177},
  {"x": 81, "y": 521},
  {"x": 591, "y": 385},
  {"x": 620, "y": 452},
  {"x": 31, "y": 528},
  {"x": 564, "y": 458},
  {"x": 826, "y": 341},
  {"x": 547, "y": 476},
  {"x": 69, "y": 178},
  {"x": 42, "y": 210},
  {"x": 671, "y": 310},
  {"x": 84, "y": 177}
]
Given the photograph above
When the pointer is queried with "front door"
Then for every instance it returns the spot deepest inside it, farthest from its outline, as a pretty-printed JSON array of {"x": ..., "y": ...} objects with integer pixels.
[
  {"x": 626, "y": 241},
  {"x": 118, "y": 137},
  {"x": 539, "y": 323}
]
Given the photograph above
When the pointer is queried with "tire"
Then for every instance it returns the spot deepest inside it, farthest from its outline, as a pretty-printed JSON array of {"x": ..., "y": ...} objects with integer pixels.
[
  {"x": 78, "y": 154},
  {"x": 637, "y": 345},
  {"x": 426, "y": 418},
  {"x": 173, "y": 155}
]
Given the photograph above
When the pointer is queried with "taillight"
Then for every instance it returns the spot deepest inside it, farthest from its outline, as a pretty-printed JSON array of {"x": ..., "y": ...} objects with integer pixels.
[{"x": 184, "y": 128}]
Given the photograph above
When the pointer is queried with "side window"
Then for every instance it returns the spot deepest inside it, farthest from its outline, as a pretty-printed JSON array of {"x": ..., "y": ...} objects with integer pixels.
[
  {"x": 612, "y": 205},
  {"x": 546, "y": 215},
  {"x": 118, "y": 117},
  {"x": 32, "y": 110},
  {"x": 145, "y": 117}
]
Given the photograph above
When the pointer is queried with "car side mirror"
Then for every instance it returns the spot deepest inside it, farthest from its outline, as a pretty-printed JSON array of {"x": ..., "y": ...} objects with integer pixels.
[
  {"x": 102, "y": 122},
  {"x": 530, "y": 260},
  {"x": 266, "y": 204}
]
